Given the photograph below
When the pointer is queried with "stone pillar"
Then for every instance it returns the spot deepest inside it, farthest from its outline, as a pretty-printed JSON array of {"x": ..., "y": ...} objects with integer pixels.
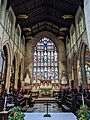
[
  {"x": 22, "y": 73},
  {"x": 8, "y": 78},
  {"x": 83, "y": 72},
  {"x": 1, "y": 59},
  {"x": 16, "y": 79},
  {"x": 1, "y": 62},
  {"x": 87, "y": 19}
]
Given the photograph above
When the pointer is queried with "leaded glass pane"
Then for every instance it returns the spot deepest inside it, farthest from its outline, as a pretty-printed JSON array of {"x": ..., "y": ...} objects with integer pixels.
[
  {"x": 56, "y": 64},
  {"x": 35, "y": 64},
  {"x": 41, "y": 53},
  {"x": 34, "y": 69}
]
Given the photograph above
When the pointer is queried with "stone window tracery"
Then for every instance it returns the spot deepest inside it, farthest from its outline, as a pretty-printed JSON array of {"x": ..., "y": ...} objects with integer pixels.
[{"x": 45, "y": 61}]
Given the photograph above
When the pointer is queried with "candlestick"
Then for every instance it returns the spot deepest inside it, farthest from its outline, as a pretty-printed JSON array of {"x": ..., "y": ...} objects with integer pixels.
[
  {"x": 82, "y": 99},
  {"x": 5, "y": 102}
]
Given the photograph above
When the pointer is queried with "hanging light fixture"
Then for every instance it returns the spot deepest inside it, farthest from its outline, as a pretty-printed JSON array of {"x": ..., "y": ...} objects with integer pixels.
[
  {"x": 67, "y": 17},
  {"x": 29, "y": 37},
  {"x": 62, "y": 33},
  {"x": 27, "y": 29},
  {"x": 61, "y": 37},
  {"x": 22, "y": 16},
  {"x": 63, "y": 29}
]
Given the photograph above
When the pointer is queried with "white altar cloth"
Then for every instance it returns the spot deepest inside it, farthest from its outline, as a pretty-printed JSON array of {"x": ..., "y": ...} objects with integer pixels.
[{"x": 54, "y": 116}]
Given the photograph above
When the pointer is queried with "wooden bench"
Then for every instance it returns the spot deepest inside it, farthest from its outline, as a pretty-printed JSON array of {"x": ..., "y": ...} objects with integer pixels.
[
  {"x": 10, "y": 101},
  {"x": 59, "y": 102},
  {"x": 65, "y": 108}
]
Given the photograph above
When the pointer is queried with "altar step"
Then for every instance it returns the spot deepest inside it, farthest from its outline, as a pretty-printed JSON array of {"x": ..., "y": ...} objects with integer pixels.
[{"x": 45, "y": 100}]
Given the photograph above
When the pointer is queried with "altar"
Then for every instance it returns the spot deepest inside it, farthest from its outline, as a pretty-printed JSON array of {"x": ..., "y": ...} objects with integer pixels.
[
  {"x": 45, "y": 87},
  {"x": 54, "y": 116}
]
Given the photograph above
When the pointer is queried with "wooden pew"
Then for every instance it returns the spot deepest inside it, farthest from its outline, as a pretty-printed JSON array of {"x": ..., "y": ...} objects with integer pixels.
[
  {"x": 69, "y": 103},
  {"x": 20, "y": 101}
]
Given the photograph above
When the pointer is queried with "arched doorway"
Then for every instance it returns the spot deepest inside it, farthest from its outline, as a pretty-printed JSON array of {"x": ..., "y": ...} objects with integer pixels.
[
  {"x": 45, "y": 70},
  {"x": 12, "y": 77}
]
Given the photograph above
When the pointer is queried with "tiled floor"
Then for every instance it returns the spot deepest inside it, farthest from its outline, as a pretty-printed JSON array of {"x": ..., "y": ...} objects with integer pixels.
[
  {"x": 42, "y": 107},
  {"x": 52, "y": 107}
]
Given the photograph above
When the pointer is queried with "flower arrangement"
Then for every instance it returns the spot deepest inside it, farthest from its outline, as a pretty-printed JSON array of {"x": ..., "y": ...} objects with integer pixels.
[
  {"x": 46, "y": 90},
  {"x": 15, "y": 114},
  {"x": 83, "y": 113}
]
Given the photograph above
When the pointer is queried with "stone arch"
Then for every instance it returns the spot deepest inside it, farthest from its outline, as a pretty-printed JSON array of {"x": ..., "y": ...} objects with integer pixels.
[
  {"x": 6, "y": 45},
  {"x": 9, "y": 22},
  {"x": 9, "y": 49}
]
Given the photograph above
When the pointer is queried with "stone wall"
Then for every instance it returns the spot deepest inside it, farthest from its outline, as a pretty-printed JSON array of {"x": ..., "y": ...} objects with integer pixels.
[
  {"x": 8, "y": 38},
  {"x": 29, "y": 52}
]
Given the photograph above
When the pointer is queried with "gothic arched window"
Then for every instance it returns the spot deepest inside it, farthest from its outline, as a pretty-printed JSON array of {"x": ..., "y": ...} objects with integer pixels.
[{"x": 45, "y": 61}]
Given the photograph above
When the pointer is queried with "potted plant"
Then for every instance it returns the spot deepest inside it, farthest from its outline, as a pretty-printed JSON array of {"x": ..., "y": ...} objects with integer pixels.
[
  {"x": 16, "y": 114},
  {"x": 83, "y": 113}
]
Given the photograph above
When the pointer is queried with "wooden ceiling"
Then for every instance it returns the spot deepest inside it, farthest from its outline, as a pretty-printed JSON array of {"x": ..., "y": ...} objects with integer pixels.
[{"x": 45, "y": 15}]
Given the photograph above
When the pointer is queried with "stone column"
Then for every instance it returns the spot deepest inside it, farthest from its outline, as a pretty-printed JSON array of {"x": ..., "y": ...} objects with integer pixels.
[
  {"x": 1, "y": 59},
  {"x": 1, "y": 62},
  {"x": 87, "y": 19},
  {"x": 16, "y": 79},
  {"x": 8, "y": 78},
  {"x": 83, "y": 72}
]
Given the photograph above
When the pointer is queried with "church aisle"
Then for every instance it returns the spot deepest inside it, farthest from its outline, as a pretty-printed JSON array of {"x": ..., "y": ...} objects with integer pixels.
[{"x": 39, "y": 107}]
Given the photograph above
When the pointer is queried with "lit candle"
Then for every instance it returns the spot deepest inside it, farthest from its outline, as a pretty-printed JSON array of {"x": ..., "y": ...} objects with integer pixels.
[{"x": 82, "y": 99}]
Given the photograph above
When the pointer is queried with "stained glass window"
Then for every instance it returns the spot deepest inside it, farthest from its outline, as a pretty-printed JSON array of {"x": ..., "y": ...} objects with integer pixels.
[{"x": 45, "y": 60}]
